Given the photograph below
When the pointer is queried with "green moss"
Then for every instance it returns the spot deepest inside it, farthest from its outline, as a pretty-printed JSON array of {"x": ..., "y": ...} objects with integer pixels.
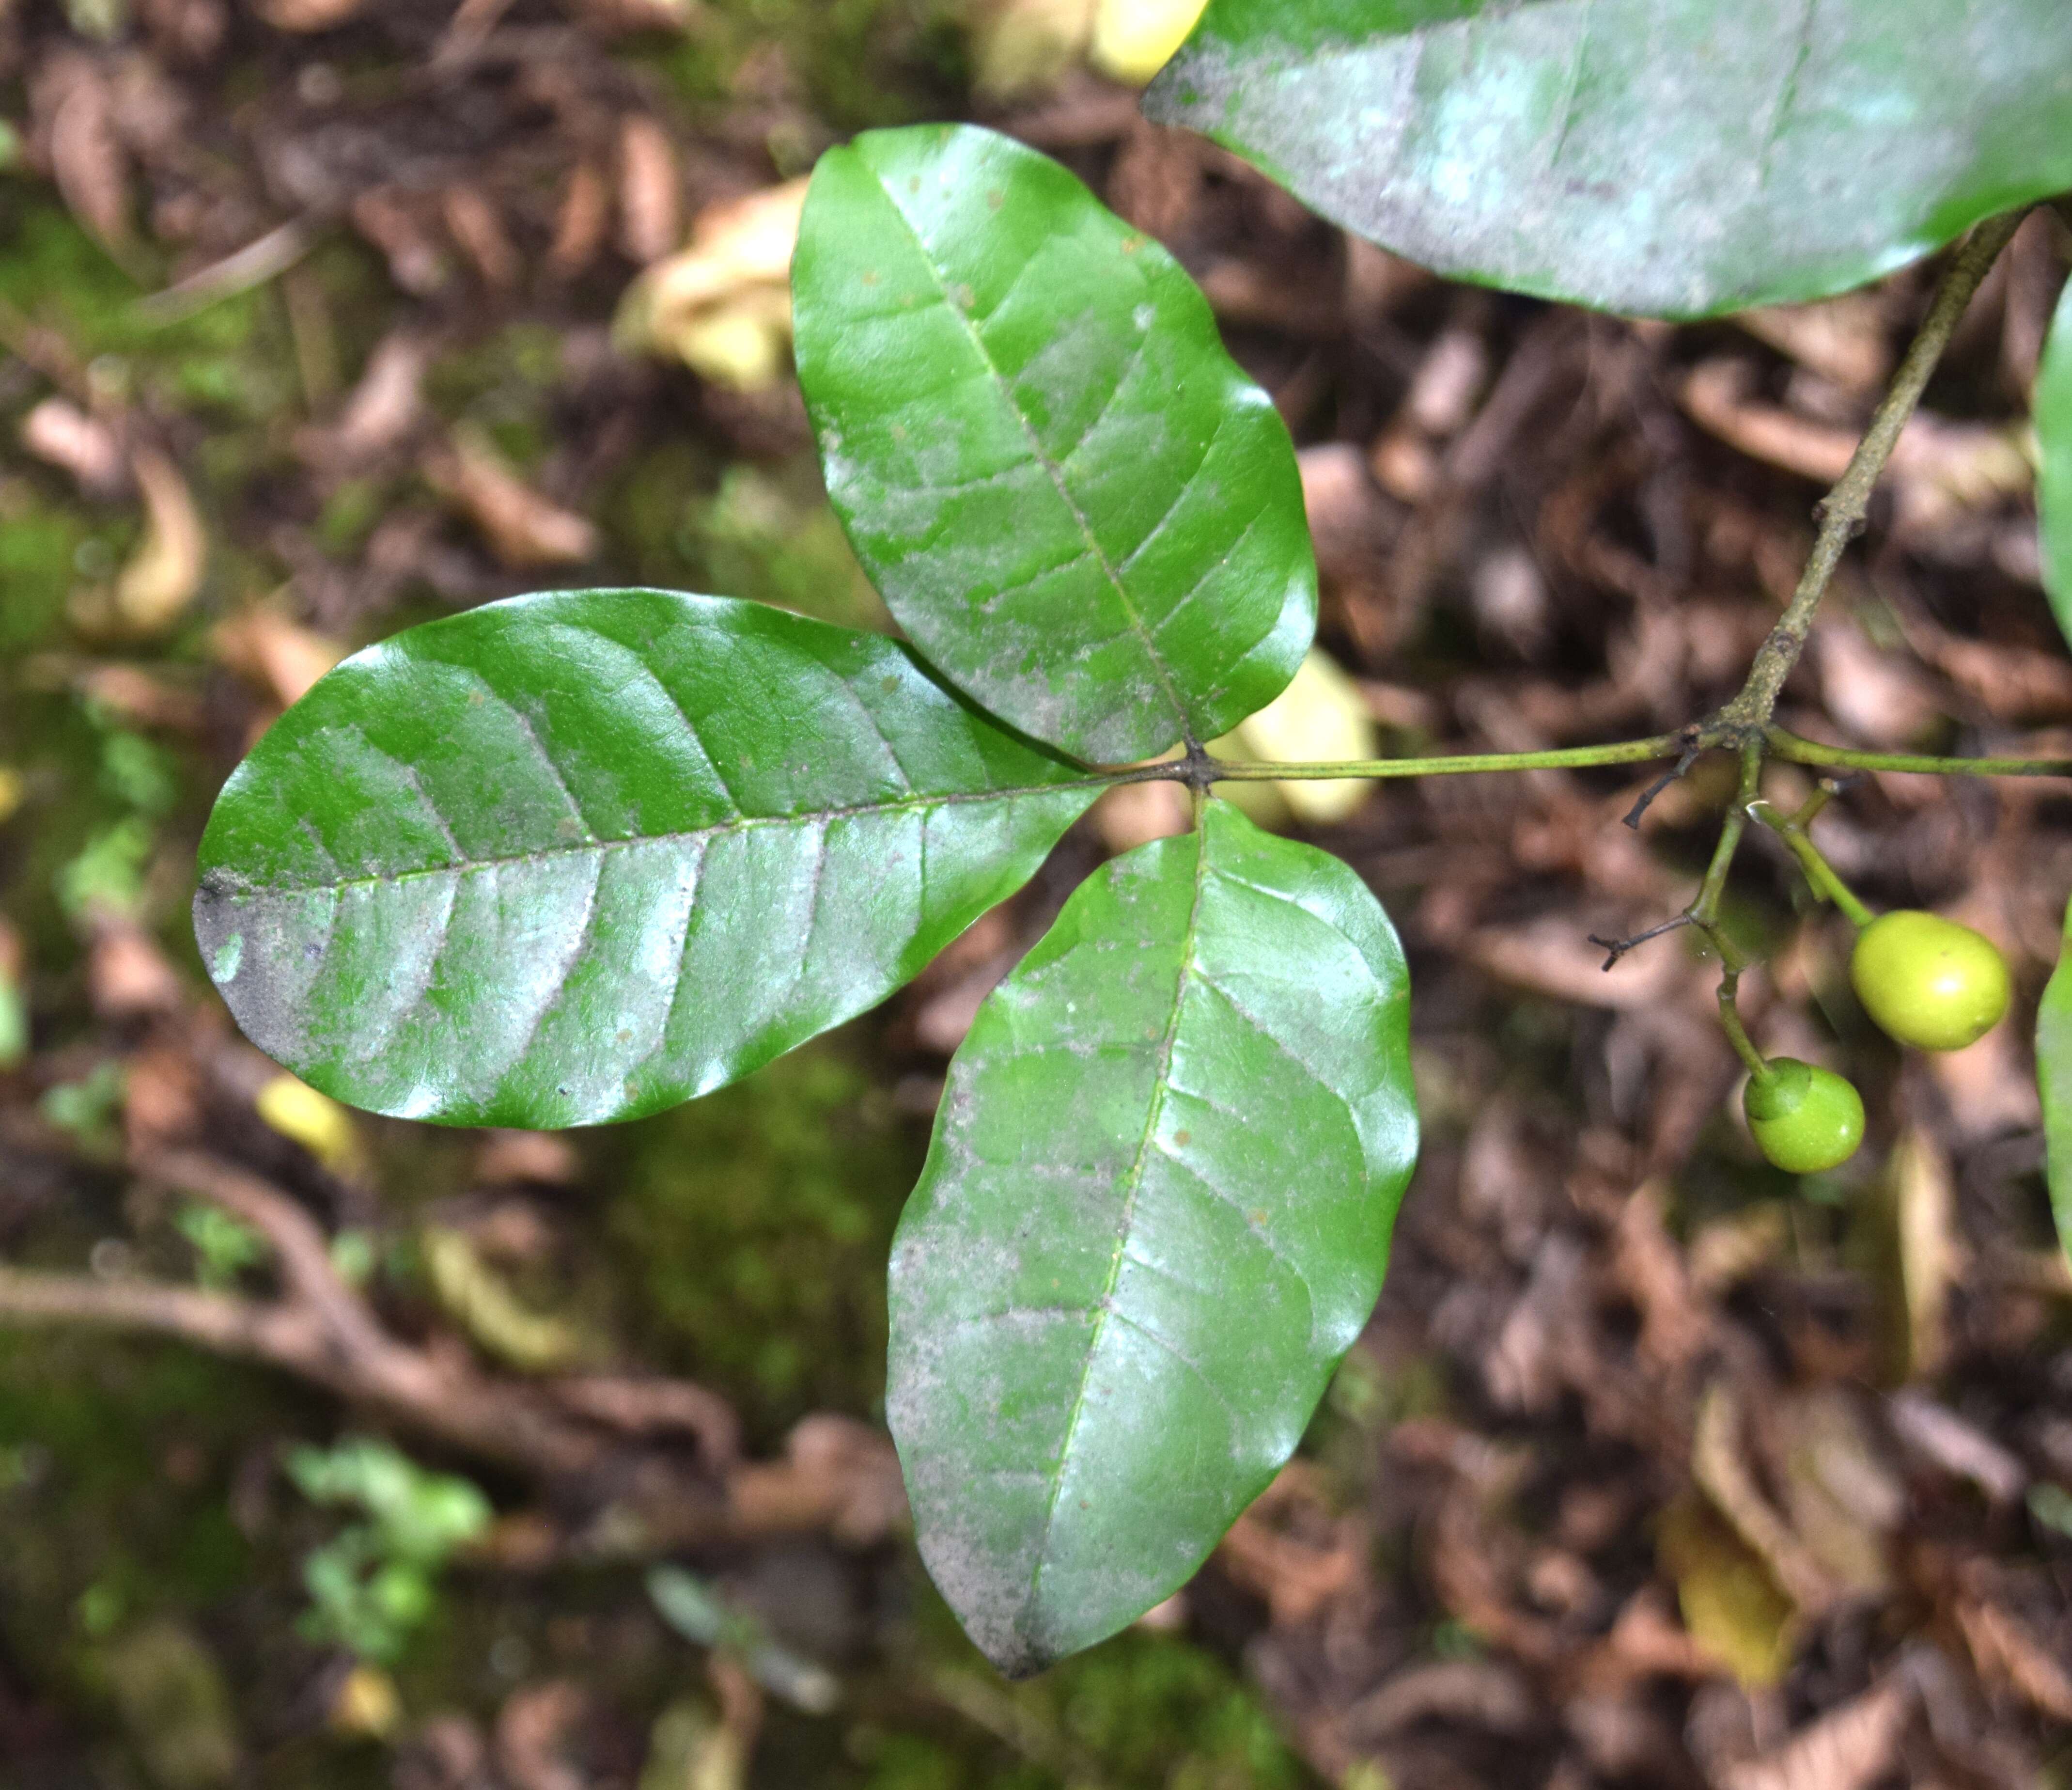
[
  {"x": 755, "y": 1224},
  {"x": 1143, "y": 1711},
  {"x": 38, "y": 544},
  {"x": 861, "y": 63},
  {"x": 350, "y": 515},
  {"x": 504, "y": 377},
  {"x": 771, "y": 535},
  {"x": 645, "y": 511},
  {"x": 90, "y": 1423}
]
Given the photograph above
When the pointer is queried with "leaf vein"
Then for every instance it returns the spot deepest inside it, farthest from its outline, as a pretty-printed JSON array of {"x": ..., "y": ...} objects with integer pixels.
[{"x": 1056, "y": 472}]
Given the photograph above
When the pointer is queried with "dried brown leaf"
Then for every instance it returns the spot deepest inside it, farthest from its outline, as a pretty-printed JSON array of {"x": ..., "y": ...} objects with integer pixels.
[
  {"x": 1923, "y": 1193},
  {"x": 128, "y": 976},
  {"x": 1674, "y": 1325},
  {"x": 2004, "y": 1649},
  {"x": 164, "y": 575},
  {"x": 477, "y": 225},
  {"x": 385, "y": 406},
  {"x": 532, "y": 1730},
  {"x": 309, "y": 15},
  {"x": 84, "y": 146},
  {"x": 281, "y": 657},
  {"x": 650, "y": 199},
  {"x": 1719, "y": 1463},
  {"x": 1477, "y": 1694},
  {"x": 398, "y": 223},
  {"x": 723, "y": 306},
  {"x": 581, "y": 223},
  {"x": 57, "y": 430},
  {"x": 1847, "y": 1749},
  {"x": 1842, "y": 338},
  {"x": 523, "y": 529}
]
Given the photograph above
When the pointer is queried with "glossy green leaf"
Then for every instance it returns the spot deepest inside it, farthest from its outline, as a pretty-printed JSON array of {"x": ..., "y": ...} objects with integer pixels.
[
  {"x": 1154, "y": 1216},
  {"x": 578, "y": 857},
  {"x": 2053, "y": 469},
  {"x": 2053, "y": 1076},
  {"x": 1072, "y": 500},
  {"x": 1678, "y": 158}
]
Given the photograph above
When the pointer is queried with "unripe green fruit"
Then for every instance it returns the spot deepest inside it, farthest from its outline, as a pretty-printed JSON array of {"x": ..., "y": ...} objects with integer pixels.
[
  {"x": 1929, "y": 981},
  {"x": 1804, "y": 1119}
]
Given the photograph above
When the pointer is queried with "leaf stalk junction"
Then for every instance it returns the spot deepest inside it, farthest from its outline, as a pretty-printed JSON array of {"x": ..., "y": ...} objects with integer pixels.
[{"x": 1744, "y": 725}]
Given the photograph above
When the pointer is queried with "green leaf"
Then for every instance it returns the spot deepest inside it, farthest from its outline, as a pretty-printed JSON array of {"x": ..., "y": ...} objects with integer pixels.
[
  {"x": 2053, "y": 1076},
  {"x": 1154, "y": 1216},
  {"x": 577, "y": 857},
  {"x": 2053, "y": 470},
  {"x": 1677, "y": 158},
  {"x": 1071, "y": 498}
]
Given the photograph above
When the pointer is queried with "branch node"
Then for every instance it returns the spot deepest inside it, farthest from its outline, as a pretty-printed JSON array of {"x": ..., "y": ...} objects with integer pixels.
[
  {"x": 1688, "y": 758},
  {"x": 1618, "y": 948}
]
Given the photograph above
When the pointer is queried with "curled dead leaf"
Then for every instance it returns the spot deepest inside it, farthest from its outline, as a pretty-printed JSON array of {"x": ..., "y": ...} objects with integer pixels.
[
  {"x": 384, "y": 406},
  {"x": 84, "y": 145},
  {"x": 57, "y": 431},
  {"x": 1843, "y": 339},
  {"x": 1847, "y": 1749},
  {"x": 487, "y": 1309},
  {"x": 650, "y": 204},
  {"x": 2005, "y": 1649},
  {"x": 583, "y": 222},
  {"x": 316, "y": 1122},
  {"x": 399, "y": 223},
  {"x": 612, "y": 16},
  {"x": 1720, "y": 1465},
  {"x": 532, "y": 1731},
  {"x": 281, "y": 657},
  {"x": 128, "y": 976},
  {"x": 523, "y": 528},
  {"x": 1958, "y": 1446},
  {"x": 1922, "y": 1195},
  {"x": 164, "y": 575},
  {"x": 476, "y": 224},
  {"x": 723, "y": 306},
  {"x": 310, "y": 15}
]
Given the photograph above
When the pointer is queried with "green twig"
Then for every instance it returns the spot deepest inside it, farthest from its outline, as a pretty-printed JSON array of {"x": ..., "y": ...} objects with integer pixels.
[
  {"x": 1704, "y": 911},
  {"x": 1730, "y": 1022},
  {"x": 1563, "y": 758},
  {"x": 1820, "y": 873},
  {"x": 1790, "y": 747},
  {"x": 1842, "y": 513}
]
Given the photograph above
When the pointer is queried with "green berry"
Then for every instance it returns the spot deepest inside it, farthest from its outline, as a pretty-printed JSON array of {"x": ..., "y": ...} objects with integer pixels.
[
  {"x": 1804, "y": 1119},
  {"x": 1929, "y": 981}
]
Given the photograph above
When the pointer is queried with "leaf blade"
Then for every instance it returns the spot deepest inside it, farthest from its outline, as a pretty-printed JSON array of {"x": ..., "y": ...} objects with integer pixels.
[
  {"x": 2054, "y": 1079},
  {"x": 1672, "y": 157},
  {"x": 1098, "y": 1360},
  {"x": 1072, "y": 500},
  {"x": 573, "y": 858},
  {"x": 2052, "y": 408}
]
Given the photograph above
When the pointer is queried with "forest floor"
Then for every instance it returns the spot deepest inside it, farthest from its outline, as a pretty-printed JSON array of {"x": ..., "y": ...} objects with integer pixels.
[{"x": 1654, "y": 1467}]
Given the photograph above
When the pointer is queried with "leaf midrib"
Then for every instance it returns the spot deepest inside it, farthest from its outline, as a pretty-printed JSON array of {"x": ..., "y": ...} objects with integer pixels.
[
  {"x": 1053, "y": 470},
  {"x": 1104, "y": 1307},
  {"x": 740, "y": 823}
]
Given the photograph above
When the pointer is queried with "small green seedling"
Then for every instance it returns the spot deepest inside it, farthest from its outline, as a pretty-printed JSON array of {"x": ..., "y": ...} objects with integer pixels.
[{"x": 373, "y": 1585}]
